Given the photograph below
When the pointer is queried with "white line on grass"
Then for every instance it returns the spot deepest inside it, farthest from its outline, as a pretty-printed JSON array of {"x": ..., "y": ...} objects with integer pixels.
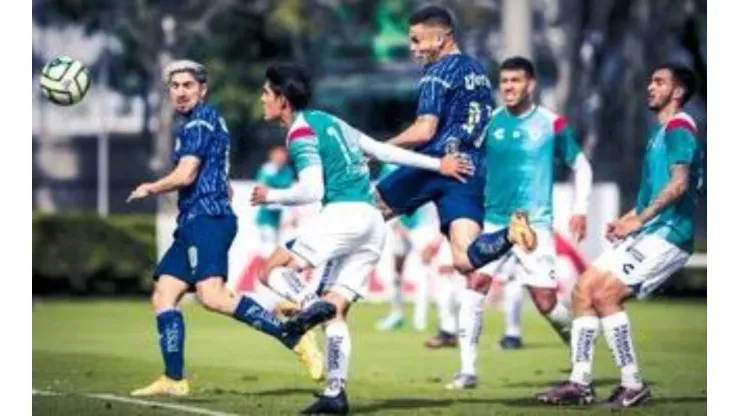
[
  {"x": 122, "y": 399},
  {"x": 44, "y": 393}
]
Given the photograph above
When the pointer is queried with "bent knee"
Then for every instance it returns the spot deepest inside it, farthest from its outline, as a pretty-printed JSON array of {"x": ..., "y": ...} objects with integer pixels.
[
  {"x": 544, "y": 299},
  {"x": 213, "y": 299},
  {"x": 479, "y": 282}
]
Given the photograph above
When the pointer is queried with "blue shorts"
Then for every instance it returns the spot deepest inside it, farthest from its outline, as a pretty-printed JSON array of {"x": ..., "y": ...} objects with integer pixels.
[
  {"x": 200, "y": 249},
  {"x": 406, "y": 189}
]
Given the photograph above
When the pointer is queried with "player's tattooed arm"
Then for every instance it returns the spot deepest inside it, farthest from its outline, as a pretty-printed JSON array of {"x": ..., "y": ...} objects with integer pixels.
[
  {"x": 418, "y": 133},
  {"x": 183, "y": 175},
  {"x": 672, "y": 191},
  {"x": 676, "y": 187}
]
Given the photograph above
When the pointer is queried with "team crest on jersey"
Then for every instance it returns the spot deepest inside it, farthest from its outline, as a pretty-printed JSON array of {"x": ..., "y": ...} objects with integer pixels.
[
  {"x": 498, "y": 134},
  {"x": 535, "y": 133},
  {"x": 452, "y": 146}
]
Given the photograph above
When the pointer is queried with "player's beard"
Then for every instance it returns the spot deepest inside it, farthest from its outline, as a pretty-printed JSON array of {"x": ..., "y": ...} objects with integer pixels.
[{"x": 661, "y": 104}]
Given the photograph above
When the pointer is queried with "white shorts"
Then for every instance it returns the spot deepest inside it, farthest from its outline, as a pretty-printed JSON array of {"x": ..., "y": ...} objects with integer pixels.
[
  {"x": 536, "y": 269},
  {"x": 643, "y": 262},
  {"x": 347, "y": 239}
]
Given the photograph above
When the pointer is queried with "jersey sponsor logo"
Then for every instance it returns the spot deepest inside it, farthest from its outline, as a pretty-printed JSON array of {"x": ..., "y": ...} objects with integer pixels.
[{"x": 473, "y": 80}]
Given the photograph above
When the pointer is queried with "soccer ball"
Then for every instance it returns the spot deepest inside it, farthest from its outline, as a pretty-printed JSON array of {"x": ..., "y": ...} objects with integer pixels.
[{"x": 64, "y": 81}]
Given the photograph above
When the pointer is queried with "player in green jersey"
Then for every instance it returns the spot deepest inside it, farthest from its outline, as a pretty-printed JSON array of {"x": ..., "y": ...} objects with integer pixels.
[
  {"x": 651, "y": 242},
  {"x": 347, "y": 236},
  {"x": 522, "y": 141}
]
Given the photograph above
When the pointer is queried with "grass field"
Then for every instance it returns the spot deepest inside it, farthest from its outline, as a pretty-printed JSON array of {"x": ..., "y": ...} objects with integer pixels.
[{"x": 109, "y": 347}]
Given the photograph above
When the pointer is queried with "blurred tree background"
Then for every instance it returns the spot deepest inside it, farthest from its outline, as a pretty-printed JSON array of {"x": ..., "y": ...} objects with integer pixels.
[{"x": 592, "y": 56}]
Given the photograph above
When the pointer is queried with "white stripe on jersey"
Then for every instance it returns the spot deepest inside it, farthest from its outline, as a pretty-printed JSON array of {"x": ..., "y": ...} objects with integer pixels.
[
  {"x": 199, "y": 122},
  {"x": 551, "y": 115}
]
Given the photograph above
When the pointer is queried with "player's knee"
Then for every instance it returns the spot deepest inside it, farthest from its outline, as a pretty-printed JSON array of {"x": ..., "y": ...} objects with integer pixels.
[
  {"x": 582, "y": 296},
  {"x": 461, "y": 264},
  {"x": 544, "y": 299},
  {"x": 479, "y": 282},
  {"x": 162, "y": 299},
  {"x": 608, "y": 297},
  {"x": 212, "y": 299}
]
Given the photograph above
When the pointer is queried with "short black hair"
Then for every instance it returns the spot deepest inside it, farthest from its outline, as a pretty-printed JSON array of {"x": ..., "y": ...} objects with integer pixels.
[
  {"x": 433, "y": 15},
  {"x": 519, "y": 63},
  {"x": 682, "y": 76},
  {"x": 292, "y": 82}
]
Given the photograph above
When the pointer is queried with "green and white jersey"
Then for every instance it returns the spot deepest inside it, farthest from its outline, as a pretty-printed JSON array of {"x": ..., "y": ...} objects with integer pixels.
[
  {"x": 520, "y": 163},
  {"x": 423, "y": 216},
  {"x": 672, "y": 144},
  {"x": 273, "y": 177},
  {"x": 319, "y": 138}
]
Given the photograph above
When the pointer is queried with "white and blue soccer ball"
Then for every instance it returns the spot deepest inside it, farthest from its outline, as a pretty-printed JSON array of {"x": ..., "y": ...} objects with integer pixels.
[{"x": 65, "y": 81}]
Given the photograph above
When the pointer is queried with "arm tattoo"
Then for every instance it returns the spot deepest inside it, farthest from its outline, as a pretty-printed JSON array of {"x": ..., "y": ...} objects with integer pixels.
[{"x": 671, "y": 192}]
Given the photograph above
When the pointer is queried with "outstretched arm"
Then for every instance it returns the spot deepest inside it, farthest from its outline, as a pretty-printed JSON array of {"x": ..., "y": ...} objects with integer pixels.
[
  {"x": 182, "y": 176},
  {"x": 450, "y": 165}
]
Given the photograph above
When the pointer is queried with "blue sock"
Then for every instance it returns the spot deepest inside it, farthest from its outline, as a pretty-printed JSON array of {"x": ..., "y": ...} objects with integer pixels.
[
  {"x": 171, "y": 327},
  {"x": 259, "y": 318},
  {"x": 489, "y": 247}
]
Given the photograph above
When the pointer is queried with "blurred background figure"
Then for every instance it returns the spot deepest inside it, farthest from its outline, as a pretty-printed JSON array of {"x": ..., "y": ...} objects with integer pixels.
[{"x": 274, "y": 173}]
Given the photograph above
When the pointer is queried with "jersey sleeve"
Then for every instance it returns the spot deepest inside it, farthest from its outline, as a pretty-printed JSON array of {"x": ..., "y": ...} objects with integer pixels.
[
  {"x": 566, "y": 145},
  {"x": 196, "y": 135},
  {"x": 432, "y": 92},
  {"x": 303, "y": 148},
  {"x": 265, "y": 173},
  {"x": 680, "y": 142}
]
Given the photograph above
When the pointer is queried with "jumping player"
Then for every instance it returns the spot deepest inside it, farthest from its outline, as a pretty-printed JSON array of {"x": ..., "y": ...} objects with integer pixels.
[{"x": 454, "y": 105}]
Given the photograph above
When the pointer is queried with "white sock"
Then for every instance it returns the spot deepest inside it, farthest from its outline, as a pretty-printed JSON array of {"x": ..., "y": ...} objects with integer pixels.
[
  {"x": 338, "y": 349},
  {"x": 582, "y": 342},
  {"x": 286, "y": 283},
  {"x": 266, "y": 297},
  {"x": 561, "y": 320},
  {"x": 421, "y": 300},
  {"x": 618, "y": 335},
  {"x": 396, "y": 297},
  {"x": 471, "y": 324},
  {"x": 444, "y": 297},
  {"x": 513, "y": 298}
]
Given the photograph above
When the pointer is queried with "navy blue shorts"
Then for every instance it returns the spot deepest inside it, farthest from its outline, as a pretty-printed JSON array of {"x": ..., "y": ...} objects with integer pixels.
[
  {"x": 406, "y": 189},
  {"x": 200, "y": 249}
]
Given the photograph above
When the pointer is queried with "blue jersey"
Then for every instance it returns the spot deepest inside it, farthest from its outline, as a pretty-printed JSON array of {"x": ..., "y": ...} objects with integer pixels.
[
  {"x": 457, "y": 90},
  {"x": 203, "y": 134}
]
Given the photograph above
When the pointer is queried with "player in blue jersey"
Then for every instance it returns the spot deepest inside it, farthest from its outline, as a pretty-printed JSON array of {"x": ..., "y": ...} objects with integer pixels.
[
  {"x": 206, "y": 226},
  {"x": 454, "y": 105},
  {"x": 652, "y": 241}
]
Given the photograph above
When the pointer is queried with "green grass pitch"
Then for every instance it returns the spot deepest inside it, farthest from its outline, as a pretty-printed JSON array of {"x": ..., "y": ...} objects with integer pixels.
[{"x": 84, "y": 347}]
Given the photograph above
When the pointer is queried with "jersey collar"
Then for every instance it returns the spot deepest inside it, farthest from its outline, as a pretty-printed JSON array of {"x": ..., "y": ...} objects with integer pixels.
[{"x": 525, "y": 114}]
